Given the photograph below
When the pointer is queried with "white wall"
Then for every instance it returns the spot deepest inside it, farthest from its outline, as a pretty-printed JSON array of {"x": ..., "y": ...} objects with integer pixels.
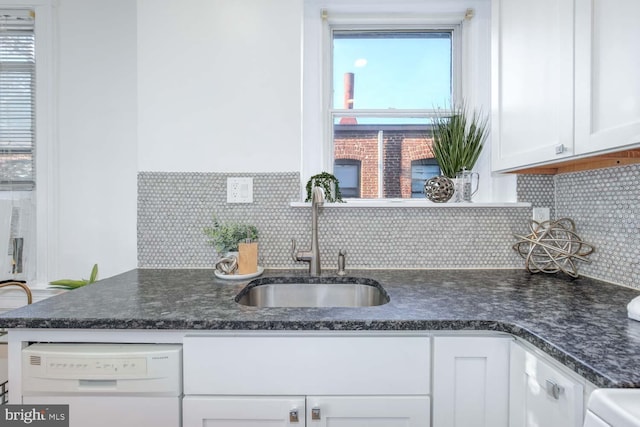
[
  {"x": 162, "y": 85},
  {"x": 95, "y": 204},
  {"x": 219, "y": 85},
  {"x": 166, "y": 85}
]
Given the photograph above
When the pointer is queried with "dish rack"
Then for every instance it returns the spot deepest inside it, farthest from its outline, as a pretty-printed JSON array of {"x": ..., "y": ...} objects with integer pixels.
[{"x": 4, "y": 387}]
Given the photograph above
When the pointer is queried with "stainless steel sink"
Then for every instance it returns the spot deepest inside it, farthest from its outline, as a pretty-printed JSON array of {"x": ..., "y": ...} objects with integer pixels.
[{"x": 313, "y": 292}]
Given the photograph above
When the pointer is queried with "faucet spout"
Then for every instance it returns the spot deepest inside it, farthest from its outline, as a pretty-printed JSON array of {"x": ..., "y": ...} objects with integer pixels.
[{"x": 312, "y": 256}]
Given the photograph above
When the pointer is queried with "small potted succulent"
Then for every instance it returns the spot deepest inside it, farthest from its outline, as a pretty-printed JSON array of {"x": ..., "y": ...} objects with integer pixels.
[
  {"x": 329, "y": 184},
  {"x": 226, "y": 236}
]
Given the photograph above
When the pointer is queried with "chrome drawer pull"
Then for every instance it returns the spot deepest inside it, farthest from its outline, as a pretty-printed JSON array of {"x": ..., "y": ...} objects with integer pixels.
[
  {"x": 315, "y": 414},
  {"x": 293, "y": 416},
  {"x": 554, "y": 390}
]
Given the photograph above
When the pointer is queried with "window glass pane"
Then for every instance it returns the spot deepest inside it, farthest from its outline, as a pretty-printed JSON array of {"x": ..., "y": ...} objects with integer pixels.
[
  {"x": 421, "y": 170},
  {"x": 392, "y": 69},
  {"x": 386, "y": 154},
  {"x": 348, "y": 173}
]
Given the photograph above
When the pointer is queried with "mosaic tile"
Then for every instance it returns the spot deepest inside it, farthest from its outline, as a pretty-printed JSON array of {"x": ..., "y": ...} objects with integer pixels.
[
  {"x": 605, "y": 205},
  {"x": 173, "y": 208},
  {"x": 539, "y": 190}
]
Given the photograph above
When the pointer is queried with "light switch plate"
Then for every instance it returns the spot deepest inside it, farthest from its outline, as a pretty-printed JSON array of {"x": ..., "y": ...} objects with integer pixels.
[{"x": 239, "y": 190}]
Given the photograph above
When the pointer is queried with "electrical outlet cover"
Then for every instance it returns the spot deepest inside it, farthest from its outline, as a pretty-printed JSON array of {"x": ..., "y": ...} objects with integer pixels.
[
  {"x": 541, "y": 214},
  {"x": 239, "y": 190}
]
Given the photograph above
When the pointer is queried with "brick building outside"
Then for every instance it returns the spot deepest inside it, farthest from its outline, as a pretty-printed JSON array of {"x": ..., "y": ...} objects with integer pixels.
[{"x": 406, "y": 152}]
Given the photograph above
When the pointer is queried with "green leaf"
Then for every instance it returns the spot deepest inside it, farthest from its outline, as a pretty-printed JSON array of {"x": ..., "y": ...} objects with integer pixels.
[
  {"x": 458, "y": 139},
  {"x": 94, "y": 273},
  {"x": 69, "y": 283}
]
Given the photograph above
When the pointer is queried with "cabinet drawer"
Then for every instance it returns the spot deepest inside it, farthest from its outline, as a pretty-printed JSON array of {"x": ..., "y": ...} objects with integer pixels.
[{"x": 343, "y": 365}]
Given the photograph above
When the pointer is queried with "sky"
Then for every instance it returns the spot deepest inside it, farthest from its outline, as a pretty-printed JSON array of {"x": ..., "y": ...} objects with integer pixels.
[{"x": 408, "y": 72}]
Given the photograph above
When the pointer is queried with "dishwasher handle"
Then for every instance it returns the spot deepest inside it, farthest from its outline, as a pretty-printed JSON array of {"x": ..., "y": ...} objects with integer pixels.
[{"x": 97, "y": 384}]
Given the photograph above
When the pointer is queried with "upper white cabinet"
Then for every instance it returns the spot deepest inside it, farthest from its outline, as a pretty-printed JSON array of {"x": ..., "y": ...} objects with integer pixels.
[
  {"x": 565, "y": 80},
  {"x": 471, "y": 381},
  {"x": 607, "y": 74},
  {"x": 532, "y": 75}
]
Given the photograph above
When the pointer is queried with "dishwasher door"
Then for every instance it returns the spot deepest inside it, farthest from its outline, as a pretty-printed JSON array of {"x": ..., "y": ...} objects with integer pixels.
[
  {"x": 123, "y": 385},
  {"x": 114, "y": 411}
]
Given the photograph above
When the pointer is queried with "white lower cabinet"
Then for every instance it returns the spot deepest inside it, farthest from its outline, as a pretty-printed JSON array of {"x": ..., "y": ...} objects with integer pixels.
[
  {"x": 471, "y": 381},
  {"x": 541, "y": 394},
  {"x": 311, "y": 380},
  {"x": 258, "y": 411},
  {"x": 314, "y": 411},
  {"x": 316, "y": 380}
]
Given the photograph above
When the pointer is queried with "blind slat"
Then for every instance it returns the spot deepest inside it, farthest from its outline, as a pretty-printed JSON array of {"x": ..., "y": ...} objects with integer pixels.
[{"x": 17, "y": 99}]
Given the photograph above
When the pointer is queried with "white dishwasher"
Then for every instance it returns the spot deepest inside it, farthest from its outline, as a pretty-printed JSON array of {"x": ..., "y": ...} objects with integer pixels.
[{"x": 106, "y": 385}]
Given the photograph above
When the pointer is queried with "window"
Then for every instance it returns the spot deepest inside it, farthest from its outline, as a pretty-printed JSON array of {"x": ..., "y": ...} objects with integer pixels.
[
  {"x": 17, "y": 99},
  {"x": 386, "y": 86},
  {"x": 348, "y": 173},
  {"x": 332, "y": 26}
]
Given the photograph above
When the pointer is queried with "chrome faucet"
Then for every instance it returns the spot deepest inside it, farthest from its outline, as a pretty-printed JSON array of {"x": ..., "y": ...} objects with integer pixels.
[{"x": 311, "y": 256}]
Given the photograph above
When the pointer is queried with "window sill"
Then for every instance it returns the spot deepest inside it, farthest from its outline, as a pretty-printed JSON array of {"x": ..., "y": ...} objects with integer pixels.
[{"x": 405, "y": 203}]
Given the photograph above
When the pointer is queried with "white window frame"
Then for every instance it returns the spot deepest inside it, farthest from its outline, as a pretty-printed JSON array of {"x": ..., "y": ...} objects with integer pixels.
[
  {"x": 332, "y": 25},
  {"x": 44, "y": 235},
  {"x": 472, "y": 54}
]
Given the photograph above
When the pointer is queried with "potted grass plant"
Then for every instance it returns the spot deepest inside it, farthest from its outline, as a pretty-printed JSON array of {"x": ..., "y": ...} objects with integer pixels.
[{"x": 458, "y": 139}]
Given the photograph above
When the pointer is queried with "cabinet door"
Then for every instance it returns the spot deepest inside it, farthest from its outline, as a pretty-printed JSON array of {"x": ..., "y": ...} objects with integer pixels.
[
  {"x": 470, "y": 381},
  {"x": 532, "y": 82},
  {"x": 607, "y": 74},
  {"x": 542, "y": 395},
  {"x": 379, "y": 411},
  {"x": 198, "y": 411}
]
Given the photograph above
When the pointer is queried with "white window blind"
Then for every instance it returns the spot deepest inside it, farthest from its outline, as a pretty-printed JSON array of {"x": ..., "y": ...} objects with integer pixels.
[{"x": 17, "y": 99}]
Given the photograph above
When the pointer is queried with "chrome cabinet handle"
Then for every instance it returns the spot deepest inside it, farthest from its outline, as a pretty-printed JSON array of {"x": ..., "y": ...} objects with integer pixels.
[
  {"x": 293, "y": 416},
  {"x": 554, "y": 390},
  {"x": 315, "y": 414}
]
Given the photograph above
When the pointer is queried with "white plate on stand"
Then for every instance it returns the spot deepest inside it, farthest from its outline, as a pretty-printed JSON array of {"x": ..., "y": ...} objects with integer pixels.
[{"x": 239, "y": 276}]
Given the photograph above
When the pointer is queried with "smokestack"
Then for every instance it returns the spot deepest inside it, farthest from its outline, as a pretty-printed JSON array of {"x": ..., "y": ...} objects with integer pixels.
[
  {"x": 348, "y": 81},
  {"x": 348, "y": 91}
]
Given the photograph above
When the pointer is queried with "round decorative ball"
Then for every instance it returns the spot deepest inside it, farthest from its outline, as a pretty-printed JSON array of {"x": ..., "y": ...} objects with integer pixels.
[{"x": 439, "y": 189}]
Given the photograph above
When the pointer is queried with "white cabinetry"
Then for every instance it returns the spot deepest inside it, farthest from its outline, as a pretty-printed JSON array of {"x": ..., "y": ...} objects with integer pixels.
[
  {"x": 314, "y": 411},
  {"x": 541, "y": 394},
  {"x": 607, "y": 74},
  {"x": 256, "y": 411},
  {"x": 355, "y": 381},
  {"x": 532, "y": 81},
  {"x": 553, "y": 59},
  {"x": 471, "y": 381}
]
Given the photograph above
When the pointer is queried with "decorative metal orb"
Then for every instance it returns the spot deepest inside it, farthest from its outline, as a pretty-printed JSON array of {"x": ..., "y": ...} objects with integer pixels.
[
  {"x": 439, "y": 189},
  {"x": 553, "y": 246}
]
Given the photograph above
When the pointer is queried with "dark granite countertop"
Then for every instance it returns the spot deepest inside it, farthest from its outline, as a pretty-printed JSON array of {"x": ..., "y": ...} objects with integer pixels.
[{"x": 582, "y": 323}]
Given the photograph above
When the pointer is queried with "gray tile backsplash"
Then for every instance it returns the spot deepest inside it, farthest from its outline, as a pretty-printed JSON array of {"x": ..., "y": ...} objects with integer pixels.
[
  {"x": 173, "y": 208},
  {"x": 605, "y": 205},
  {"x": 539, "y": 190}
]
